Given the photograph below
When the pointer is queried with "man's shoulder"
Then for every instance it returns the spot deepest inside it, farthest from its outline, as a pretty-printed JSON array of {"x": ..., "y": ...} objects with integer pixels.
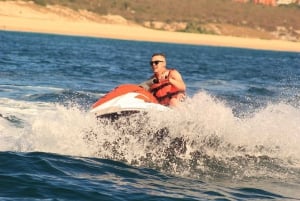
[{"x": 173, "y": 71}]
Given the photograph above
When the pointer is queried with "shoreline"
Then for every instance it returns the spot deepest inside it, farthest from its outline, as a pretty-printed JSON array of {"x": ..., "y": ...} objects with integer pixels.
[{"x": 28, "y": 17}]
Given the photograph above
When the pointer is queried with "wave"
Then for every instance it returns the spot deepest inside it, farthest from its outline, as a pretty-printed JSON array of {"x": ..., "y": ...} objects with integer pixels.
[
  {"x": 203, "y": 138},
  {"x": 80, "y": 178}
]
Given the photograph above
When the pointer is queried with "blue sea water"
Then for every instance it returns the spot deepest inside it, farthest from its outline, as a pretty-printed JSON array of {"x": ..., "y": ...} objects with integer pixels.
[{"x": 236, "y": 137}]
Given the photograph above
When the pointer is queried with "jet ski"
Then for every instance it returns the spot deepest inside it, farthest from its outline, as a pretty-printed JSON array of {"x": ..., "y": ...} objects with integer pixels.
[{"x": 124, "y": 100}]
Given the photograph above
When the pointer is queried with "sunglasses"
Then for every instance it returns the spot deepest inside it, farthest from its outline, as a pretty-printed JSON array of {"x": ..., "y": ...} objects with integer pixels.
[{"x": 155, "y": 62}]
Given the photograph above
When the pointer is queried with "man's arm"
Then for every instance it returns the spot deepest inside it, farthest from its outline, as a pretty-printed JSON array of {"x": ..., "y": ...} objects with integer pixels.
[
  {"x": 176, "y": 80},
  {"x": 147, "y": 84}
]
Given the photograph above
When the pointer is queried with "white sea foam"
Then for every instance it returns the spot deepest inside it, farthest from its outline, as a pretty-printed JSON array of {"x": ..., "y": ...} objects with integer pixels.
[
  {"x": 274, "y": 132},
  {"x": 44, "y": 127}
]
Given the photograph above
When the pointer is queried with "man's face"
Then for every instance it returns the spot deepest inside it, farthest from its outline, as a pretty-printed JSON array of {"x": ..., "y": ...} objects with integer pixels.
[{"x": 158, "y": 63}]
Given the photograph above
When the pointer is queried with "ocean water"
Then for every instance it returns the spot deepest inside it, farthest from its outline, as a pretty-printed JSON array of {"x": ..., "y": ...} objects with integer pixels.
[{"x": 237, "y": 136}]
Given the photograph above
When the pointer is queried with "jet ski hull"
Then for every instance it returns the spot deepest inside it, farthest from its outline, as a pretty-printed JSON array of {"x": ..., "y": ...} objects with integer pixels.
[{"x": 125, "y": 100}]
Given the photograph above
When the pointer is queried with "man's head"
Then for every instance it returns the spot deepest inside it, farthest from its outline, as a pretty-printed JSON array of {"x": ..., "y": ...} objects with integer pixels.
[{"x": 158, "y": 62}]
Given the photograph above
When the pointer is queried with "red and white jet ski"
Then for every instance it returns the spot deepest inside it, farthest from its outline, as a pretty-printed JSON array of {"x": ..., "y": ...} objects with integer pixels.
[{"x": 126, "y": 98}]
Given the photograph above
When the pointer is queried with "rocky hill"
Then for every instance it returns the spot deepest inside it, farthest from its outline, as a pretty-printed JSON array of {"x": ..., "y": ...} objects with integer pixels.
[{"x": 221, "y": 17}]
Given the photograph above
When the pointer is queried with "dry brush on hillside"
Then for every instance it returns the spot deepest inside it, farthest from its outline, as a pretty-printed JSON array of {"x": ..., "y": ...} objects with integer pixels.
[{"x": 223, "y": 17}]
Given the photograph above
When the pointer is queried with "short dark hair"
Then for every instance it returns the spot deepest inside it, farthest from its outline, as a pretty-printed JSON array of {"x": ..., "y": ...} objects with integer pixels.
[{"x": 159, "y": 54}]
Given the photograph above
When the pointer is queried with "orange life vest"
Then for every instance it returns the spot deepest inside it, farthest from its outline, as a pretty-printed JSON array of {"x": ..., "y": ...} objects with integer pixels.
[{"x": 164, "y": 91}]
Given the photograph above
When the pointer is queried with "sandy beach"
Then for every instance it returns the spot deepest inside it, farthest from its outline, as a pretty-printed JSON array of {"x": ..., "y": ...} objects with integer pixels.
[{"x": 29, "y": 17}]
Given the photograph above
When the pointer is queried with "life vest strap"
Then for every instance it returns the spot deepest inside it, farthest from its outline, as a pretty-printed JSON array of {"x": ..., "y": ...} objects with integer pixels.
[{"x": 155, "y": 90}]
